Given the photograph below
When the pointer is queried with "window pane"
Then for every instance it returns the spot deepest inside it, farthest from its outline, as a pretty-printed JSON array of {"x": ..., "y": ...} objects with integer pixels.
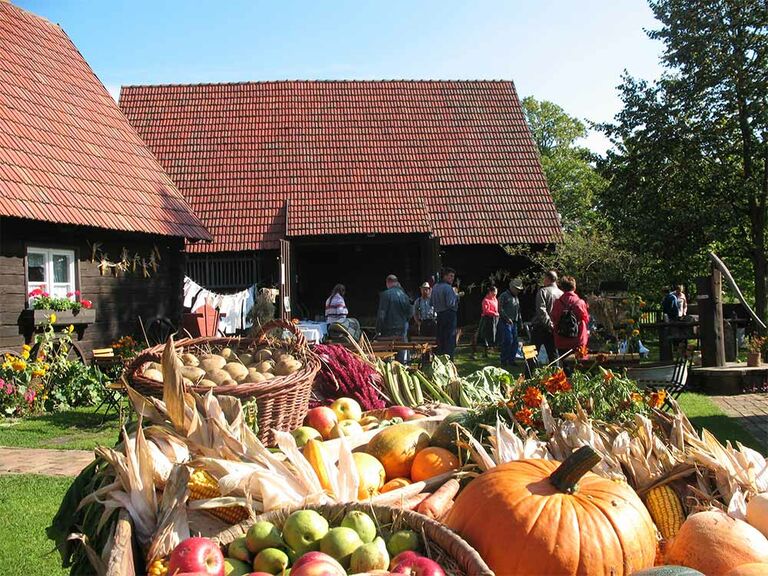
[
  {"x": 61, "y": 268},
  {"x": 35, "y": 267},
  {"x": 61, "y": 291}
]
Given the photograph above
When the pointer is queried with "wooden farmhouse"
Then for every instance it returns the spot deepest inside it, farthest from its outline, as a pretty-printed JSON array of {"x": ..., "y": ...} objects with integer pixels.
[
  {"x": 357, "y": 180},
  {"x": 84, "y": 205}
]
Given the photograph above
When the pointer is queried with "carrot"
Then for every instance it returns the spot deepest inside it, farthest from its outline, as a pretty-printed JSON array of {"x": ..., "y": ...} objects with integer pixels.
[
  {"x": 412, "y": 502},
  {"x": 441, "y": 501}
]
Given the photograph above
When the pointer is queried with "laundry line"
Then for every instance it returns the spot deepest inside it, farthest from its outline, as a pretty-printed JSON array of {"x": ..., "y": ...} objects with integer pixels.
[{"x": 234, "y": 308}]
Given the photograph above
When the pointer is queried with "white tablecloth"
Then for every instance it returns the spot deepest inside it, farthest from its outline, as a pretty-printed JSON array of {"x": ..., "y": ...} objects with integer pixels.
[{"x": 314, "y": 332}]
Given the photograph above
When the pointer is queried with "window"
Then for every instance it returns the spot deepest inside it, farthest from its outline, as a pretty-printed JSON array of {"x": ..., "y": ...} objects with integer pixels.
[{"x": 53, "y": 269}]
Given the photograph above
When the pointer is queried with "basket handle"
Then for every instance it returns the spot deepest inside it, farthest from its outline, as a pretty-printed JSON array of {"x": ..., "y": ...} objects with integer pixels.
[{"x": 261, "y": 336}]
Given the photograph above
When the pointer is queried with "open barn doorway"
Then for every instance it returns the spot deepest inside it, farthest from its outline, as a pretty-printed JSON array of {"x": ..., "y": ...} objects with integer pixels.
[{"x": 361, "y": 263}]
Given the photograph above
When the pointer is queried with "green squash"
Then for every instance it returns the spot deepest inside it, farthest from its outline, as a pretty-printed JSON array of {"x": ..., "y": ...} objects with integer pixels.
[
  {"x": 668, "y": 571},
  {"x": 445, "y": 435}
]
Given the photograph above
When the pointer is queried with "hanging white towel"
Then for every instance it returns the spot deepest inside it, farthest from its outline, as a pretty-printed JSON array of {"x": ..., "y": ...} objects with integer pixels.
[{"x": 191, "y": 290}]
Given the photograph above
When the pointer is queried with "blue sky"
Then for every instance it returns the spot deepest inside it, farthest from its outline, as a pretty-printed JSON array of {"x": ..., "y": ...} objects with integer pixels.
[{"x": 570, "y": 52}]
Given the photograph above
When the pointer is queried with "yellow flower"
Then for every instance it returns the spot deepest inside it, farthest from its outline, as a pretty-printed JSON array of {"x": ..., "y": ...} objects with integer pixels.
[
  {"x": 26, "y": 348},
  {"x": 635, "y": 332},
  {"x": 7, "y": 364},
  {"x": 25, "y": 354},
  {"x": 52, "y": 318},
  {"x": 19, "y": 365},
  {"x": 631, "y": 321},
  {"x": 636, "y": 397},
  {"x": 38, "y": 372},
  {"x": 70, "y": 328}
]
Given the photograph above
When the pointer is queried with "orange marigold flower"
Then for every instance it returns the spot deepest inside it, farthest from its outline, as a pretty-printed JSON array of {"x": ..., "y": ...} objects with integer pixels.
[
  {"x": 657, "y": 399},
  {"x": 557, "y": 382},
  {"x": 582, "y": 352},
  {"x": 532, "y": 397},
  {"x": 524, "y": 416},
  {"x": 636, "y": 397},
  {"x": 608, "y": 376}
]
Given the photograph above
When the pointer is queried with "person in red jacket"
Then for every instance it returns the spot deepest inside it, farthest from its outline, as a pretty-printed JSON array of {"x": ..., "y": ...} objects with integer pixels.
[{"x": 570, "y": 316}]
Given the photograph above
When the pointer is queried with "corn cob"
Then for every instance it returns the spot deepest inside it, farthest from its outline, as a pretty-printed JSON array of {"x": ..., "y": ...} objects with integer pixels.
[
  {"x": 158, "y": 568},
  {"x": 202, "y": 485},
  {"x": 666, "y": 510}
]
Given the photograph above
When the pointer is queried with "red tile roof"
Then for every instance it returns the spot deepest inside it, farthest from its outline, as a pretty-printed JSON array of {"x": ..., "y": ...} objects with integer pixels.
[
  {"x": 67, "y": 154},
  {"x": 452, "y": 158}
]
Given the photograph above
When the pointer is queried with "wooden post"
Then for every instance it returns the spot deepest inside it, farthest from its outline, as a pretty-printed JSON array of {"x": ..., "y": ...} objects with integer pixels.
[
  {"x": 717, "y": 301},
  {"x": 711, "y": 319}
]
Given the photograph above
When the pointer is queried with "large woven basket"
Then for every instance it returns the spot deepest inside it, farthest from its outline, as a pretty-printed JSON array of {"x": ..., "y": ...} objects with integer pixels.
[
  {"x": 281, "y": 402},
  {"x": 442, "y": 545}
]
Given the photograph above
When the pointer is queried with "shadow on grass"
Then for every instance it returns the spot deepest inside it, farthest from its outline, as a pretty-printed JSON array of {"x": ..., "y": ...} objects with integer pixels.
[
  {"x": 90, "y": 421},
  {"x": 744, "y": 429}
]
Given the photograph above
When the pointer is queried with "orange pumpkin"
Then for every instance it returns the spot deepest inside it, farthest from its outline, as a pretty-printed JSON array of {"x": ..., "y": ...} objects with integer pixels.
[
  {"x": 432, "y": 462},
  {"x": 395, "y": 484},
  {"x": 758, "y": 569},
  {"x": 543, "y": 517},
  {"x": 714, "y": 543}
]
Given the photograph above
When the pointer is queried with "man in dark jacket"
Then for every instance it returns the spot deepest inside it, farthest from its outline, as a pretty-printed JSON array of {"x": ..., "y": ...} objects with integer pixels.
[
  {"x": 509, "y": 310},
  {"x": 394, "y": 310}
]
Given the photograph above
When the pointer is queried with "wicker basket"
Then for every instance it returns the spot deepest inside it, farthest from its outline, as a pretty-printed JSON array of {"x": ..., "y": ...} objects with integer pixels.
[
  {"x": 442, "y": 545},
  {"x": 281, "y": 402}
]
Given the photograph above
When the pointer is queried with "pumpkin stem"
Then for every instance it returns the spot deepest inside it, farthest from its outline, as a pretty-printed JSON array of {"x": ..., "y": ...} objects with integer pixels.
[{"x": 566, "y": 477}]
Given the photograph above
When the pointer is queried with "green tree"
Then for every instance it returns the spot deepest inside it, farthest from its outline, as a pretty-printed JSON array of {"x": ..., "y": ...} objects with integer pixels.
[
  {"x": 587, "y": 249},
  {"x": 573, "y": 181},
  {"x": 690, "y": 167}
]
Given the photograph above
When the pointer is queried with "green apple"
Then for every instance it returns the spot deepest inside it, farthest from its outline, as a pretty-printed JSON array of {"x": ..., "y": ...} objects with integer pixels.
[
  {"x": 402, "y": 541},
  {"x": 303, "y": 434},
  {"x": 361, "y": 523},
  {"x": 239, "y": 551},
  {"x": 270, "y": 560},
  {"x": 234, "y": 567},
  {"x": 347, "y": 428},
  {"x": 340, "y": 543},
  {"x": 370, "y": 557},
  {"x": 347, "y": 409},
  {"x": 262, "y": 535},
  {"x": 303, "y": 531}
]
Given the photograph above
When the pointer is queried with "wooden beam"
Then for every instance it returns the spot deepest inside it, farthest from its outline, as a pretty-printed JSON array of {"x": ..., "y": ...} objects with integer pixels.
[{"x": 717, "y": 300}]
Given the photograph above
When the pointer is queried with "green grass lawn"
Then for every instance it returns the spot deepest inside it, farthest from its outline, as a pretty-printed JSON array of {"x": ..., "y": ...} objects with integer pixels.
[
  {"x": 27, "y": 505},
  {"x": 76, "y": 429},
  {"x": 704, "y": 413}
]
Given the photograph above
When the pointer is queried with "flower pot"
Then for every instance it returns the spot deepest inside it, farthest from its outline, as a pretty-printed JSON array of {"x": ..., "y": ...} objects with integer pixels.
[
  {"x": 64, "y": 318},
  {"x": 754, "y": 359}
]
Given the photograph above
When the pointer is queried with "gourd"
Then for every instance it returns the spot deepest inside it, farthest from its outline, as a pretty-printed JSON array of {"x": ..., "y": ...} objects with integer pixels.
[
  {"x": 753, "y": 569},
  {"x": 757, "y": 512},
  {"x": 396, "y": 447},
  {"x": 715, "y": 543},
  {"x": 544, "y": 517}
]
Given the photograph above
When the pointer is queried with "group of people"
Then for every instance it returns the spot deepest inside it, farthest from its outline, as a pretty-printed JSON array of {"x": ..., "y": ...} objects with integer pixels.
[
  {"x": 559, "y": 325},
  {"x": 560, "y": 322},
  {"x": 675, "y": 304}
]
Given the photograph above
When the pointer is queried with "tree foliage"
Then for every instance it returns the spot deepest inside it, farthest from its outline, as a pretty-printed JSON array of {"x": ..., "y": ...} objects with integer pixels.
[{"x": 689, "y": 172}]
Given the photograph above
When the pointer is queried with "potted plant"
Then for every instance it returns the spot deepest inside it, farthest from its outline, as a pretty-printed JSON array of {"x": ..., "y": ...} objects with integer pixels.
[{"x": 755, "y": 347}]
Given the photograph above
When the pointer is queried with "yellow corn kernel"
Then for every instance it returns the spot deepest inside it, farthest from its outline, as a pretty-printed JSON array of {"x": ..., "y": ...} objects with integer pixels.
[
  {"x": 158, "y": 568},
  {"x": 203, "y": 486},
  {"x": 666, "y": 510}
]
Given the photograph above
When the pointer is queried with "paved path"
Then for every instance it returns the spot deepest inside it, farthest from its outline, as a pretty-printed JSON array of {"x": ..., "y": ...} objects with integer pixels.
[
  {"x": 749, "y": 410},
  {"x": 39, "y": 461}
]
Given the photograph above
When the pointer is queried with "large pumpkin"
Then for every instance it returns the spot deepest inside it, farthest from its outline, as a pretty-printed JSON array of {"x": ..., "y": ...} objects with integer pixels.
[
  {"x": 715, "y": 543},
  {"x": 542, "y": 517},
  {"x": 396, "y": 447},
  {"x": 749, "y": 570}
]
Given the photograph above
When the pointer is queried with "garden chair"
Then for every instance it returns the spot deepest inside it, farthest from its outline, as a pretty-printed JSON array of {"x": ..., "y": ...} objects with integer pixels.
[
  {"x": 672, "y": 378},
  {"x": 530, "y": 359}
]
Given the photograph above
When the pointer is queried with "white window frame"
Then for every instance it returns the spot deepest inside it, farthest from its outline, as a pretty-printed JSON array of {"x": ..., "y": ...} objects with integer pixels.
[{"x": 48, "y": 282}]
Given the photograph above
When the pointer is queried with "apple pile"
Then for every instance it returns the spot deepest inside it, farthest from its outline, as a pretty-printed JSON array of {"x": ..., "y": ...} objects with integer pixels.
[
  {"x": 307, "y": 546},
  {"x": 345, "y": 416}
]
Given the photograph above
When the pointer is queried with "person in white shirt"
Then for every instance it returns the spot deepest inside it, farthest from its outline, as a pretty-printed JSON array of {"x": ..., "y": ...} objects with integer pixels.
[{"x": 335, "y": 306}]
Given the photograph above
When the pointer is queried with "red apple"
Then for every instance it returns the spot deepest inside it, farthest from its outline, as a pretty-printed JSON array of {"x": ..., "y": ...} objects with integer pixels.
[
  {"x": 403, "y": 557},
  {"x": 197, "y": 556},
  {"x": 322, "y": 419},
  {"x": 317, "y": 564},
  {"x": 399, "y": 412},
  {"x": 420, "y": 566}
]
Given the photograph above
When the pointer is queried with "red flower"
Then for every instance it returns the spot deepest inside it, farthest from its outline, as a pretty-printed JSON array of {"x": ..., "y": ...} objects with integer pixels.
[
  {"x": 524, "y": 416},
  {"x": 87, "y": 304},
  {"x": 532, "y": 397},
  {"x": 35, "y": 292},
  {"x": 77, "y": 292},
  {"x": 70, "y": 294}
]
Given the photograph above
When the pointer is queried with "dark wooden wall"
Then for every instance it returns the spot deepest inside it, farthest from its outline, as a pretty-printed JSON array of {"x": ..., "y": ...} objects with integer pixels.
[{"x": 118, "y": 300}]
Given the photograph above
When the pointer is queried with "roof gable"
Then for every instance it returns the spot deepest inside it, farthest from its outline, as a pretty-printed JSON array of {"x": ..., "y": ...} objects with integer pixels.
[
  {"x": 259, "y": 161},
  {"x": 67, "y": 154}
]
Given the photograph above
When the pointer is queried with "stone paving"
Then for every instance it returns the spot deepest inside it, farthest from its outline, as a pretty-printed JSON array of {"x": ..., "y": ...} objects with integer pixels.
[
  {"x": 749, "y": 410},
  {"x": 39, "y": 461}
]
